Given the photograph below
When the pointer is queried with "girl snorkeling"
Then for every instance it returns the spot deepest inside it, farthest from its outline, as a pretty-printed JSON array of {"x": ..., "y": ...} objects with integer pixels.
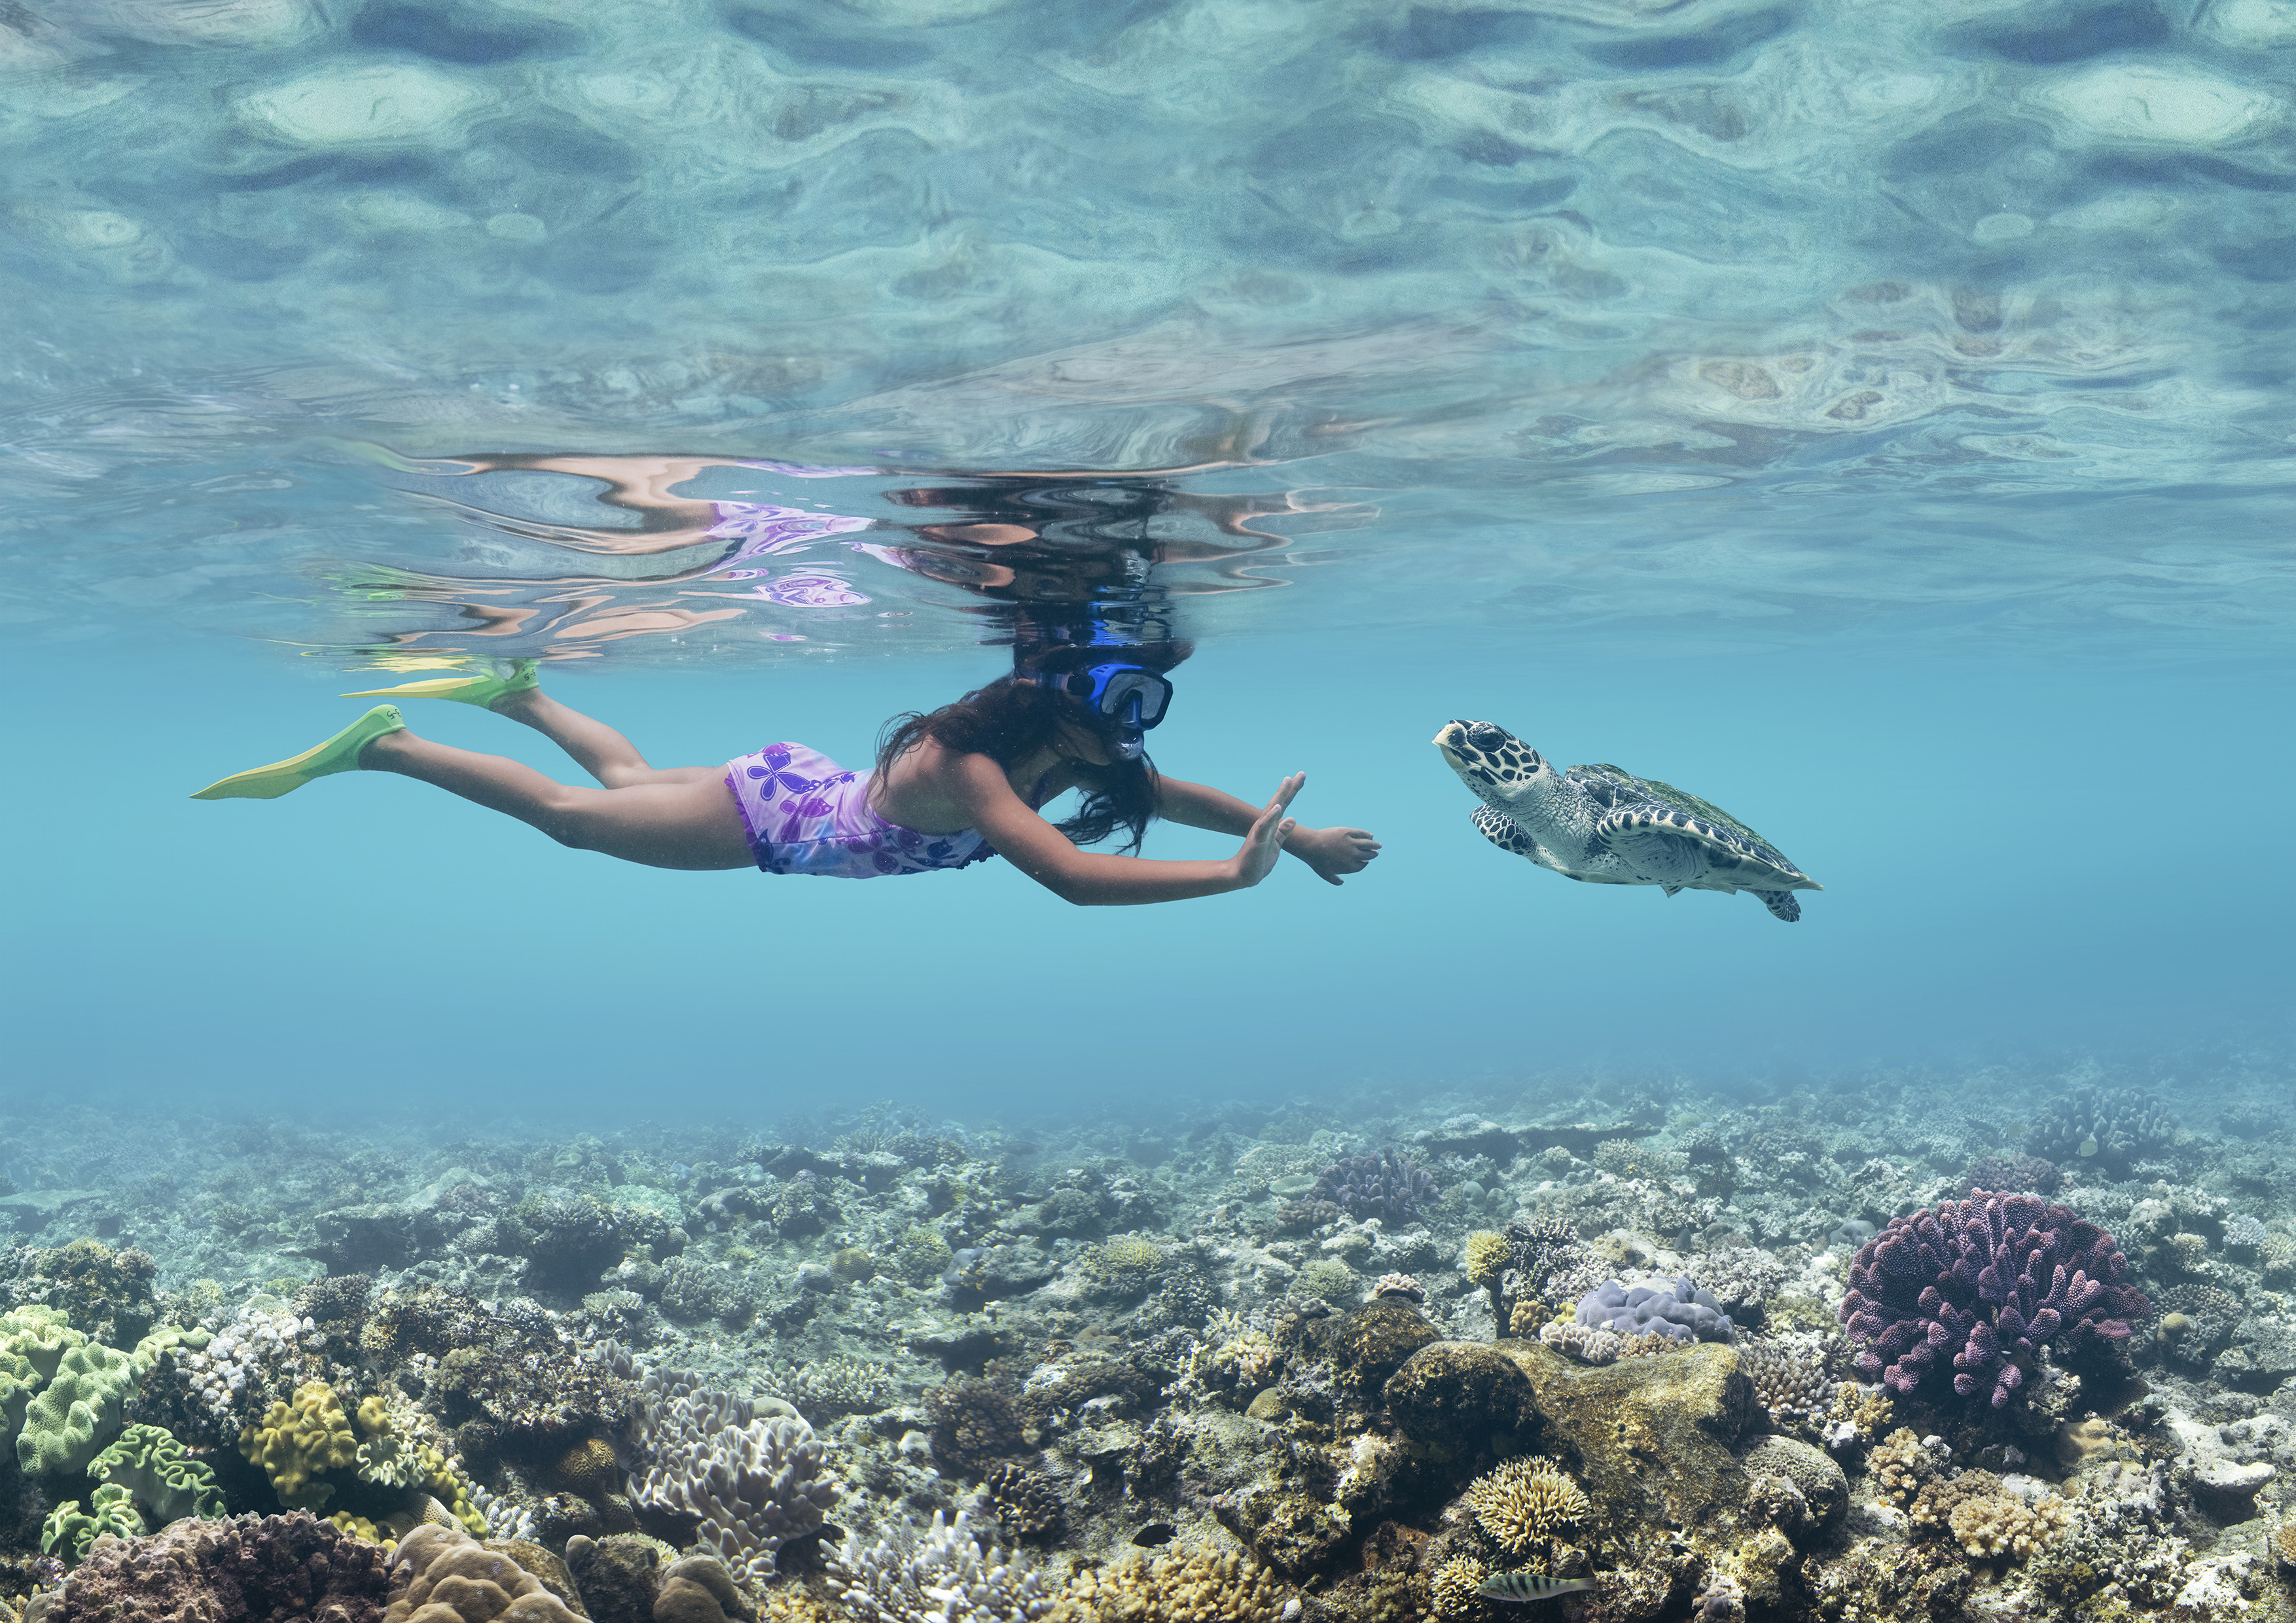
[{"x": 949, "y": 788}]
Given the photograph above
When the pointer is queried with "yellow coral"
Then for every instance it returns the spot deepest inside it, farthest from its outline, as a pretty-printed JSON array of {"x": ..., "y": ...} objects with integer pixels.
[
  {"x": 1994, "y": 1526},
  {"x": 1453, "y": 1585},
  {"x": 1524, "y": 1501},
  {"x": 451, "y": 1488},
  {"x": 1525, "y": 1319},
  {"x": 359, "y": 1527},
  {"x": 1487, "y": 1257},
  {"x": 296, "y": 1441},
  {"x": 1202, "y": 1587},
  {"x": 374, "y": 1416}
]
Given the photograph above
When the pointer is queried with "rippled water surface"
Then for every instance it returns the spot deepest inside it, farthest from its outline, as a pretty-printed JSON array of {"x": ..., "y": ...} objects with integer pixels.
[
  {"x": 1777, "y": 320},
  {"x": 1874, "y": 417}
]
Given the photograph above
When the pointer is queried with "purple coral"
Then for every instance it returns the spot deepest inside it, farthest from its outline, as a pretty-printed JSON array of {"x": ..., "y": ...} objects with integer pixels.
[
  {"x": 1389, "y": 1186},
  {"x": 1992, "y": 1278}
]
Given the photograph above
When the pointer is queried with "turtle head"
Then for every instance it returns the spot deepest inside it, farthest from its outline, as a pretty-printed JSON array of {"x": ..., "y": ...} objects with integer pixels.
[{"x": 1505, "y": 771}]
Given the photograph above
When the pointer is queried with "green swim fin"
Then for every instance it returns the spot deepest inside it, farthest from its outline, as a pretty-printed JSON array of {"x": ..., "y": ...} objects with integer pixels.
[
  {"x": 525, "y": 674},
  {"x": 340, "y": 753}
]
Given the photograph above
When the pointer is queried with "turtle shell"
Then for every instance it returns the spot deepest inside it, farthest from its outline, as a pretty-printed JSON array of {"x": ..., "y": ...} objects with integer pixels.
[{"x": 1632, "y": 802}]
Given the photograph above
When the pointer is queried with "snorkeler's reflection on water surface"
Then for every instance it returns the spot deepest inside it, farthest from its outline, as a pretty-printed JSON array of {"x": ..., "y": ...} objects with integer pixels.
[{"x": 668, "y": 545}]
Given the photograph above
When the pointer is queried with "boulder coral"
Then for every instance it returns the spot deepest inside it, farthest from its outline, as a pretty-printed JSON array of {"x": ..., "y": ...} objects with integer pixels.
[
  {"x": 1991, "y": 1279},
  {"x": 442, "y": 1574}
]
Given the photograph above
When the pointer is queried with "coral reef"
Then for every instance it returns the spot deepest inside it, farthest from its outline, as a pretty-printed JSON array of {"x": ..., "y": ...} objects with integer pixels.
[
  {"x": 1524, "y": 1502},
  {"x": 248, "y": 1570},
  {"x": 2107, "y": 1126},
  {"x": 1680, "y": 1313},
  {"x": 442, "y": 1574},
  {"x": 942, "y": 1570},
  {"x": 1390, "y": 1187},
  {"x": 755, "y": 1482},
  {"x": 1993, "y": 1278}
]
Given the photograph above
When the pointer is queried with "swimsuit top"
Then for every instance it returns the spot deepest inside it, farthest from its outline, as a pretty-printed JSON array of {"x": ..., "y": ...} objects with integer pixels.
[{"x": 805, "y": 813}]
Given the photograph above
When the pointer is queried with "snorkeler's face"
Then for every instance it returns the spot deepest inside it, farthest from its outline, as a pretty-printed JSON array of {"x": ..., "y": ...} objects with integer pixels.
[{"x": 1079, "y": 743}]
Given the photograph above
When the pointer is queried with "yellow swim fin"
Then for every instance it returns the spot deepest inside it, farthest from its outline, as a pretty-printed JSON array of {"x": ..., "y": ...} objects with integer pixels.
[
  {"x": 525, "y": 674},
  {"x": 340, "y": 753}
]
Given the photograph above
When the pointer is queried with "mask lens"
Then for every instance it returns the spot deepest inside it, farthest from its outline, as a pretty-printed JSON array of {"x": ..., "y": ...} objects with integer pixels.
[{"x": 1138, "y": 695}]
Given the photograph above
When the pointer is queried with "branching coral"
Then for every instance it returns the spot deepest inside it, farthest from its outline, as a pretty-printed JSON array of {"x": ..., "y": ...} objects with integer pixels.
[
  {"x": 755, "y": 1481},
  {"x": 1390, "y": 1186},
  {"x": 1789, "y": 1376},
  {"x": 1487, "y": 1258},
  {"x": 1199, "y": 1587},
  {"x": 1997, "y": 1525},
  {"x": 1524, "y": 1501},
  {"x": 1993, "y": 1278},
  {"x": 943, "y": 1572},
  {"x": 1453, "y": 1587}
]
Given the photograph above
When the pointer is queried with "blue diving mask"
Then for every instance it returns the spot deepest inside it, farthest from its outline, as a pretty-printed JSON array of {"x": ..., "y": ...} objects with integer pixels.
[{"x": 1125, "y": 700}]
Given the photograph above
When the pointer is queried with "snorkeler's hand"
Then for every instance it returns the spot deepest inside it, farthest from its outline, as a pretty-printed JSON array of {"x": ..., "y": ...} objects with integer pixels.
[
  {"x": 1265, "y": 843},
  {"x": 1333, "y": 851}
]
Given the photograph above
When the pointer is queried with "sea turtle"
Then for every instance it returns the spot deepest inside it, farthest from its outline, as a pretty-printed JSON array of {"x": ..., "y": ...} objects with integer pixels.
[{"x": 1604, "y": 825}]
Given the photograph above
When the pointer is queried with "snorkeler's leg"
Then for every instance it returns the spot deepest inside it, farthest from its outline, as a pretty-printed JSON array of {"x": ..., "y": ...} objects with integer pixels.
[
  {"x": 691, "y": 825},
  {"x": 603, "y": 753}
]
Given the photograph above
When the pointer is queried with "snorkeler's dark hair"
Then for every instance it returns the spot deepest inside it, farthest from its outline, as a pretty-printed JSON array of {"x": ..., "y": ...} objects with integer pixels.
[{"x": 1008, "y": 721}]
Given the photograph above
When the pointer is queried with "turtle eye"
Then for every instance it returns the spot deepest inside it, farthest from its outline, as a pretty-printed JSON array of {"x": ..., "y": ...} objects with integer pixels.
[{"x": 1487, "y": 737}]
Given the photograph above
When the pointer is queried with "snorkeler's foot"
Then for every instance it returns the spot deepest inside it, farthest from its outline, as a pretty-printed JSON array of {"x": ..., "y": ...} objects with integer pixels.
[
  {"x": 340, "y": 753},
  {"x": 485, "y": 692}
]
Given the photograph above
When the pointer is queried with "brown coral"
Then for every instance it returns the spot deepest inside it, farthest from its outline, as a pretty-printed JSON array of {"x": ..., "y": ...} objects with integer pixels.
[
  {"x": 247, "y": 1569},
  {"x": 588, "y": 1468},
  {"x": 1199, "y": 1587},
  {"x": 1453, "y": 1587},
  {"x": 1901, "y": 1467},
  {"x": 1934, "y": 1506},
  {"x": 451, "y": 1577},
  {"x": 1524, "y": 1501},
  {"x": 1994, "y": 1526}
]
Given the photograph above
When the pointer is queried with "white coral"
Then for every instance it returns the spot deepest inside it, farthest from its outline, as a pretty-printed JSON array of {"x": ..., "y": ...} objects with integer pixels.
[
  {"x": 940, "y": 1573},
  {"x": 756, "y": 1481}
]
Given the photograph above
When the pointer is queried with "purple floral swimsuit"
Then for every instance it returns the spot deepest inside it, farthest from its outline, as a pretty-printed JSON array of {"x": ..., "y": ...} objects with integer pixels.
[{"x": 805, "y": 813}]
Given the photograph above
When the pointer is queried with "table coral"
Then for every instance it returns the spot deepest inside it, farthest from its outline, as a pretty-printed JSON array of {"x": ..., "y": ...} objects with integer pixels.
[{"x": 1993, "y": 1278}]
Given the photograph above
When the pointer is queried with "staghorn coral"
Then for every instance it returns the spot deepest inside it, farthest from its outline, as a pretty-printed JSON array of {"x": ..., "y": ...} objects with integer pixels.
[
  {"x": 1390, "y": 1186},
  {"x": 755, "y": 1482},
  {"x": 248, "y": 1570},
  {"x": 1525, "y": 1501},
  {"x": 1191, "y": 1586},
  {"x": 942, "y": 1572},
  {"x": 442, "y": 1574},
  {"x": 1993, "y": 1278}
]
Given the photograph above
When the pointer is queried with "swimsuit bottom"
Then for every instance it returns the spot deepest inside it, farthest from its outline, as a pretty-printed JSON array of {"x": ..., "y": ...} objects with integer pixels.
[{"x": 805, "y": 813}]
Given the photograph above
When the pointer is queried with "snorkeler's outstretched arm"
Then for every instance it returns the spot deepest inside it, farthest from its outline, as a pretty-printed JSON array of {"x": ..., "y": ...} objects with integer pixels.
[
  {"x": 1092, "y": 878},
  {"x": 1330, "y": 851}
]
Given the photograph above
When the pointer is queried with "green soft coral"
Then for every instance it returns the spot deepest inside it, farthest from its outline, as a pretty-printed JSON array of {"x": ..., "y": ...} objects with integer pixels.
[
  {"x": 70, "y": 1531},
  {"x": 152, "y": 1466},
  {"x": 77, "y": 1411},
  {"x": 295, "y": 1442},
  {"x": 38, "y": 1335}
]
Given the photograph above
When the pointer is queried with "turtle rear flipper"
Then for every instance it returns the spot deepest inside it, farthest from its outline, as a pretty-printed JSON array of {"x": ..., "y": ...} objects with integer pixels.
[{"x": 1781, "y": 903}]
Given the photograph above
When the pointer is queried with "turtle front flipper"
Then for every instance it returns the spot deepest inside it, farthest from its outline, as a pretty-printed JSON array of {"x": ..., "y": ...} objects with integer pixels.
[{"x": 1499, "y": 828}]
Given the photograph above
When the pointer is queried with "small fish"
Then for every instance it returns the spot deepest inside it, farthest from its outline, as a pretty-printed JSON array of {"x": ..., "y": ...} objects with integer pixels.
[{"x": 1530, "y": 1586}]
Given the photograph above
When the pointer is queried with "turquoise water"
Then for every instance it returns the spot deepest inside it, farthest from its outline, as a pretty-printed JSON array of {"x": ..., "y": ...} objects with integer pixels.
[{"x": 1873, "y": 420}]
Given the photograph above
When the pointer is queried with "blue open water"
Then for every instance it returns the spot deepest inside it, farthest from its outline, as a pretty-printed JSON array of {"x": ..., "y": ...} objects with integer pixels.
[{"x": 1873, "y": 418}]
